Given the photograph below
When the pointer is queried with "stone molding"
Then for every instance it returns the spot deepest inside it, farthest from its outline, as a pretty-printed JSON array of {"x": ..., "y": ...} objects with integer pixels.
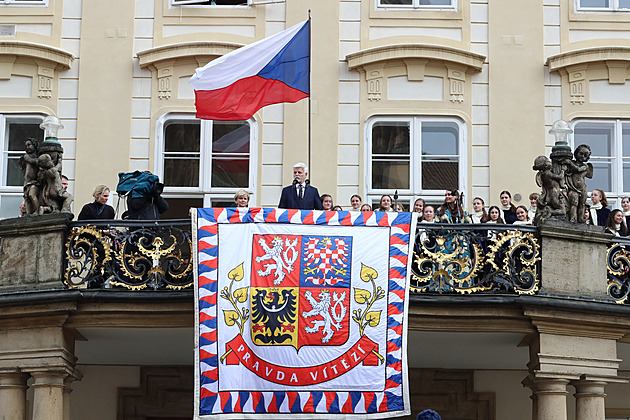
[
  {"x": 588, "y": 55},
  {"x": 38, "y": 51},
  {"x": 372, "y": 62},
  {"x": 32, "y": 225},
  {"x": 474, "y": 62},
  {"x": 162, "y": 60},
  {"x": 583, "y": 233},
  {"x": 47, "y": 59},
  {"x": 575, "y": 64},
  {"x": 184, "y": 50}
]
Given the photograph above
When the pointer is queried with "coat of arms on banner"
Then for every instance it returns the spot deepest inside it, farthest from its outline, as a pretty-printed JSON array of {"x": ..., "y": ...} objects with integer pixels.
[
  {"x": 300, "y": 317},
  {"x": 309, "y": 273}
]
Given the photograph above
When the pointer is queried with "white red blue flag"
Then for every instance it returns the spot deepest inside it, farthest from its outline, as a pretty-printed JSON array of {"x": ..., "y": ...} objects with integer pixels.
[
  {"x": 273, "y": 70},
  {"x": 301, "y": 312}
]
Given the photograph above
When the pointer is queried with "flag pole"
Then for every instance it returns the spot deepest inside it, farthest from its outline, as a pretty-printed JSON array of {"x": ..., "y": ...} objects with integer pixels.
[{"x": 310, "y": 93}]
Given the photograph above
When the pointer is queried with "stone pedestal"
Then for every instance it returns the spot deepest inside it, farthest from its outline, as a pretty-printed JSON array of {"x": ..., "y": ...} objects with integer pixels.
[
  {"x": 31, "y": 251},
  {"x": 574, "y": 259}
]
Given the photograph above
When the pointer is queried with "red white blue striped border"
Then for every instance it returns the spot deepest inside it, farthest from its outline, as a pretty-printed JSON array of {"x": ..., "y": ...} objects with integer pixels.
[{"x": 209, "y": 401}]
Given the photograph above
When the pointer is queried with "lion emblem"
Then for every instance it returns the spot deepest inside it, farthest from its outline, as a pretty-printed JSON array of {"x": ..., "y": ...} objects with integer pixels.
[
  {"x": 323, "y": 308},
  {"x": 282, "y": 262}
]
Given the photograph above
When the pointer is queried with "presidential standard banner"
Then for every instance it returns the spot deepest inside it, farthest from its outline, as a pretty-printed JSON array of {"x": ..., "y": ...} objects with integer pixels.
[{"x": 301, "y": 312}]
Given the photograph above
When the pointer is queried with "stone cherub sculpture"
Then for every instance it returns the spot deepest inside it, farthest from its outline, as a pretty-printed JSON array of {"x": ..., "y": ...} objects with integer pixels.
[
  {"x": 28, "y": 163},
  {"x": 552, "y": 200},
  {"x": 577, "y": 191},
  {"x": 43, "y": 191}
]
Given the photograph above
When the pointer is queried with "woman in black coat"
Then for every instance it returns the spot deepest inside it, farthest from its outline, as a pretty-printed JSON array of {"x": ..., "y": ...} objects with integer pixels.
[
  {"x": 98, "y": 209},
  {"x": 508, "y": 209},
  {"x": 599, "y": 209}
]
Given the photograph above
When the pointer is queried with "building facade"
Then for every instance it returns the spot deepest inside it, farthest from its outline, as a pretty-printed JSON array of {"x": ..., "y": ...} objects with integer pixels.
[{"x": 413, "y": 96}]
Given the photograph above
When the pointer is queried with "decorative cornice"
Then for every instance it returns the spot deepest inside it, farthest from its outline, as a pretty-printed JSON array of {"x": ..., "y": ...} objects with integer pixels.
[
  {"x": 588, "y": 55},
  {"x": 406, "y": 51},
  {"x": 44, "y": 52},
  {"x": 182, "y": 50}
]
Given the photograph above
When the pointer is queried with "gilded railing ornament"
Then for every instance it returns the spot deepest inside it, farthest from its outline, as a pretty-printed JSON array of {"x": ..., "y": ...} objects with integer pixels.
[
  {"x": 618, "y": 263},
  {"x": 465, "y": 259},
  {"x": 129, "y": 255}
]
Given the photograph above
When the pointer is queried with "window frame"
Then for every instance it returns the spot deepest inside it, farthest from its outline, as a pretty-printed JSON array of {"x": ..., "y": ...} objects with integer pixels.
[
  {"x": 613, "y": 7},
  {"x": 205, "y": 189},
  {"x": 196, "y": 3},
  {"x": 24, "y": 3},
  {"x": 7, "y": 191},
  {"x": 617, "y": 158},
  {"x": 415, "y": 190},
  {"x": 415, "y": 5},
  {"x": 4, "y": 188}
]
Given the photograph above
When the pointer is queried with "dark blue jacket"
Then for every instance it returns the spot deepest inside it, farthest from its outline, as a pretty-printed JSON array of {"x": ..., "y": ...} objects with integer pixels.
[{"x": 290, "y": 200}]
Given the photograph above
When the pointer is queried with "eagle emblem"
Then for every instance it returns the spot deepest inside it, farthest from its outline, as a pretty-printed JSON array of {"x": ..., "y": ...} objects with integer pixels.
[
  {"x": 300, "y": 290},
  {"x": 273, "y": 315}
]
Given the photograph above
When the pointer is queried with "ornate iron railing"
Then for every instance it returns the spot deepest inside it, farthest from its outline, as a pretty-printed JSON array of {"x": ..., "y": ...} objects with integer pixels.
[
  {"x": 618, "y": 264},
  {"x": 466, "y": 258},
  {"x": 132, "y": 255}
]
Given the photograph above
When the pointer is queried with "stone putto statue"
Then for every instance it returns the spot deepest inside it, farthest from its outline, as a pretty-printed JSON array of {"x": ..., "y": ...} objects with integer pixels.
[
  {"x": 564, "y": 190},
  {"x": 43, "y": 191}
]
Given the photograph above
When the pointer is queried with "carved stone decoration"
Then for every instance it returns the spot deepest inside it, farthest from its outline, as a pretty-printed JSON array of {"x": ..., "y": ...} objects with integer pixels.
[
  {"x": 577, "y": 191},
  {"x": 45, "y": 81},
  {"x": 564, "y": 190},
  {"x": 164, "y": 82},
  {"x": 456, "y": 83},
  {"x": 374, "y": 80},
  {"x": 577, "y": 86},
  {"x": 42, "y": 165}
]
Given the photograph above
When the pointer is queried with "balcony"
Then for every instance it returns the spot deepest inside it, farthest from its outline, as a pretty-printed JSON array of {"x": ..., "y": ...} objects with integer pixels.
[{"x": 549, "y": 304}]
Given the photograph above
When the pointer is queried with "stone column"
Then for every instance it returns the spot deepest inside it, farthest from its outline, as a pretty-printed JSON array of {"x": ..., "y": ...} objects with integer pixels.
[
  {"x": 551, "y": 397},
  {"x": 12, "y": 394},
  {"x": 589, "y": 400},
  {"x": 48, "y": 394}
]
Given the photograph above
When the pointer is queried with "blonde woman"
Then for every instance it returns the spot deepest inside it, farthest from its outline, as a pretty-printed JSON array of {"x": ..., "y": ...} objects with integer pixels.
[
  {"x": 98, "y": 209},
  {"x": 241, "y": 198}
]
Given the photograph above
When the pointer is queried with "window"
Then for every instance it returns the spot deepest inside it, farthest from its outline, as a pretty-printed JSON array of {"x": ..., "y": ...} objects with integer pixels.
[
  {"x": 24, "y": 2},
  {"x": 14, "y": 129},
  {"x": 210, "y": 2},
  {"x": 610, "y": 154},
  {"x": 418, "y": 156},
  {"x": 417, "y": 4},
  {"x": 204, "y": 162},
  {"x": 603, "y": 5}
]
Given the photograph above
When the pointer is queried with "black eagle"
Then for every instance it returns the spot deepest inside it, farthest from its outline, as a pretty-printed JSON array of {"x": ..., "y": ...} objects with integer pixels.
[{"x": 273, "y": 315}]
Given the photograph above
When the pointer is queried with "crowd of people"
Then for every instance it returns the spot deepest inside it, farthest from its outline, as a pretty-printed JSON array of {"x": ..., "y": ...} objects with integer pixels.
[
  {"x": 614, "y": 221},
  {"x": 301, "y": 195}
]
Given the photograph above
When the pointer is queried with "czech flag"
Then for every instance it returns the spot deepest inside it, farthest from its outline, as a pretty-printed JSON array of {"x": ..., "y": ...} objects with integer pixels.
[{"x": 273, "y": 70}]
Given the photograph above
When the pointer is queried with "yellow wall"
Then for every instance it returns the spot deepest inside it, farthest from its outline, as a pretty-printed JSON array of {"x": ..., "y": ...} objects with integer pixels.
[
  {"x": 516, "y": 95},
  {"x": 105, "y": 89}
]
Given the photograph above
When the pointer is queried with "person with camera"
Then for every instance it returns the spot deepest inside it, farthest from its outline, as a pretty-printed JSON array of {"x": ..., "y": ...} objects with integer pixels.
[{"x": 147, "y": 207}]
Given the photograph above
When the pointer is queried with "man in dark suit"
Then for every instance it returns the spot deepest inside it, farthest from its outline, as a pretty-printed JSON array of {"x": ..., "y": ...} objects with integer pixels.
[{"x": 300, "y": 195}]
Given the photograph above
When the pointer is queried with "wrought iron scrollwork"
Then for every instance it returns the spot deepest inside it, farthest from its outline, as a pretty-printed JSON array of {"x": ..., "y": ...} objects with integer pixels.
[
  {"x": 618, "y": 263},
  {"x": 473, "y": 259},
  {"x": 129, "y": 255}
]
